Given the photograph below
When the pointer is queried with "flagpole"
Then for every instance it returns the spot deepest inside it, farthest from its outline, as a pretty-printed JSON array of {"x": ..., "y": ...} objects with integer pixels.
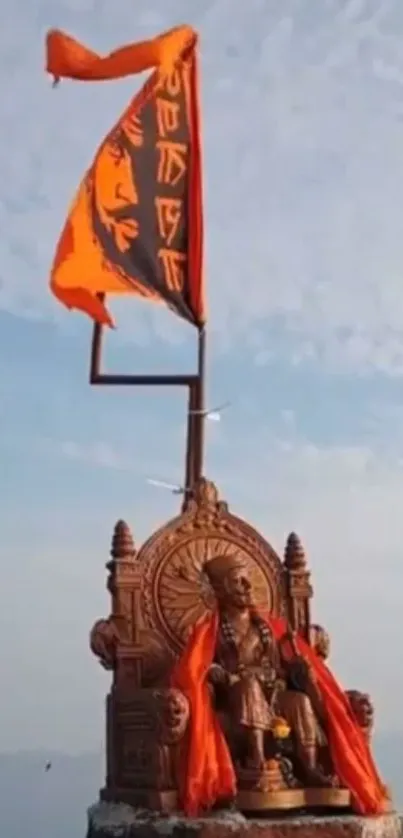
[
  {"x": 190, "y": 442},
  {"x": 200, "y": 417}
]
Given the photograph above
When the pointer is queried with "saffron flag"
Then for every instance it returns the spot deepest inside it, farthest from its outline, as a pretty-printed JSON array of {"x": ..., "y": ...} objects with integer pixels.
[{"x": 136, "y": 223}]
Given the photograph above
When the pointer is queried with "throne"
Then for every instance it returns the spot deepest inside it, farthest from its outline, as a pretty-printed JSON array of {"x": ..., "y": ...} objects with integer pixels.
[{"x": 158, "y": 592}]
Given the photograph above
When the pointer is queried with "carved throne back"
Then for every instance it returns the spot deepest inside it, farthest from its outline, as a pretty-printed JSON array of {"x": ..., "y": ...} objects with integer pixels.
[
  {"x": 175, "y": 592},
  {"x": 159, "y": 592}
]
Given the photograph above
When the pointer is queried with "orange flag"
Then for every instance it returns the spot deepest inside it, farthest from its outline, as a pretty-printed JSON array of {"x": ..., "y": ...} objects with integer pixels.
[{"x": 136, "y": 222}]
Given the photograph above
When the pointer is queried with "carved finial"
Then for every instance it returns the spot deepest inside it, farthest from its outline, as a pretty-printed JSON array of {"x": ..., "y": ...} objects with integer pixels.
[
  {"x": 294, "y": 555},
  {"x": 203, "y": 503},
  {"x": 205, "y": 493},
  {"x": 122, "y": 542}
]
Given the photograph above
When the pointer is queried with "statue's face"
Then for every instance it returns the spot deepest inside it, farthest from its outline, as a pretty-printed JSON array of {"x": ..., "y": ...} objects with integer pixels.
[{"x": 237, "y": 587}]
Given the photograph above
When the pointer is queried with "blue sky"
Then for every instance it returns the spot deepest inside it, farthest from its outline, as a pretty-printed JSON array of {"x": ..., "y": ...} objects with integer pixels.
[{"x": 303, "y": 129}]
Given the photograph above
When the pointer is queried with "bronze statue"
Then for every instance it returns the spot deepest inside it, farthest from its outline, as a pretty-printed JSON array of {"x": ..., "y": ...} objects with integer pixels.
[
  {"x": 213, "y": 697},
  {"x": 259, "y": 684}
]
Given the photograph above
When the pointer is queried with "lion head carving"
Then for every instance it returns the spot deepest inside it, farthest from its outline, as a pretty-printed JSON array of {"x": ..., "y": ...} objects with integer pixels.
[
  {"x": 104, "y": 638},
  {"x": 320, "y": 641},
  {"x": 173, "y": 715},
  {"x": 363, "y": 709}
]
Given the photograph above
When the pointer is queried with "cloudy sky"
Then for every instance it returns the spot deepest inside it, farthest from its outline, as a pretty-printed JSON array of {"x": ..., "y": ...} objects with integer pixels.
[{"x": 303, "y": 159}]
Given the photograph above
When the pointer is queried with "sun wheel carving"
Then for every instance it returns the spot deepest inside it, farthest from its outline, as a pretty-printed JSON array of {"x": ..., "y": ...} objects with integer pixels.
[{"x": 175, "y": 590}]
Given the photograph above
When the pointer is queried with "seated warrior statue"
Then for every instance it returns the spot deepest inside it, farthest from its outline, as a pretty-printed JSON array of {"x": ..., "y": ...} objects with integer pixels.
[
  {"x": 251, "y": 676},
  {"x": 262, "y": 669}
]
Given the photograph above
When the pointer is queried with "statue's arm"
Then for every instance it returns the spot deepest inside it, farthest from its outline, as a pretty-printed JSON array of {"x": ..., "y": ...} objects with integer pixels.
[{"x": 218, "y": 676}]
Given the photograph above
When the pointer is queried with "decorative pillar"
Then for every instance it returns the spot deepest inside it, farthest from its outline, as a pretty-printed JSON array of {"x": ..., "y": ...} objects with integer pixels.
[
  {"x": 120, "y": 580},
  {"x": 297, "y": 584},
  {"x": 124, "y": 586},
  {"x": 114, "y": 642}
]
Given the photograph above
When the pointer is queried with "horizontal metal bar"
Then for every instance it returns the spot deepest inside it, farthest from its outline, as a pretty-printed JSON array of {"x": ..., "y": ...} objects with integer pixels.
[{"x": 120, "y": 380}]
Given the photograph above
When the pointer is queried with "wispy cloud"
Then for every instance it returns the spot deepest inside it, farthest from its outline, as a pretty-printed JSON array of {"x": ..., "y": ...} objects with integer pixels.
[
  {"x": 96, "y": 453},
  {"x": 330, "y": 492},
  {"x": 106, "y": 456}
]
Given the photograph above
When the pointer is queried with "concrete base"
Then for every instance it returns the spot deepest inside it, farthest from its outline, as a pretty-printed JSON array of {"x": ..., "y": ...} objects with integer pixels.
[{"x": 116, "y": 820}]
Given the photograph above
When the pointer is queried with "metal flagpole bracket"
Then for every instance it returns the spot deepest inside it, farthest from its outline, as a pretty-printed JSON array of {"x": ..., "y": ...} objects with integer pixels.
[{"x": 193, "y": 381}]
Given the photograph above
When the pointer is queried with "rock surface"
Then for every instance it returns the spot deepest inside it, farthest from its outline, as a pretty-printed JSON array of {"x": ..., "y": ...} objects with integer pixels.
[{"x": 110, "y": 820}]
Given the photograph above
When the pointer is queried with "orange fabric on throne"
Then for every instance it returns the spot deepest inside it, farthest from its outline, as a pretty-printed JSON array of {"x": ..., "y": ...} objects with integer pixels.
[{"x": 207, "y": 772}]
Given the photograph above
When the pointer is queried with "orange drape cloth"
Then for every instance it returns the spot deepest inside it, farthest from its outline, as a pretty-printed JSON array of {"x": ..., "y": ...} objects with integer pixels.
[
  {"x": 207, "y": 774},
  {"x": 207, "y": 770},
  {"x": 81, "y": 275}
]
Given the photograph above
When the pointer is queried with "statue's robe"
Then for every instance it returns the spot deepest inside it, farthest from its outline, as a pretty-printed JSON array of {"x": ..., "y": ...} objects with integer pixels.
[{"x": 207, "y": 772}]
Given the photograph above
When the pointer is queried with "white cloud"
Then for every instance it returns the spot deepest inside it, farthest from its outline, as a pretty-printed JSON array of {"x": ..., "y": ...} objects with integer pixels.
[
  {"x": 96, "y": 453},
  {"x": 104, "y": 455},
  {"x": 332, "y": 494},
  {"x": 349, "y": 492},
  {"x": 304, "y": 105}
]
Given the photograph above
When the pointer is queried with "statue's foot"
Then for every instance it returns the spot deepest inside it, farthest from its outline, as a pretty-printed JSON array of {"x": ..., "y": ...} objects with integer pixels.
[
  {"x": 318, "y": 779},
  {"x": 256, "y": 762}
]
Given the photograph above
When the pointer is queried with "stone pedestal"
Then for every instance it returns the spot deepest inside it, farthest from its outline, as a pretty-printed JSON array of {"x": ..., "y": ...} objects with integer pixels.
[{"x": 109, "y": 820}]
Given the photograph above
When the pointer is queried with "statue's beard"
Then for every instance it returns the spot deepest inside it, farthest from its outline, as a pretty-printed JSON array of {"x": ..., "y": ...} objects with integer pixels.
[{"x": 241, "y": 600}]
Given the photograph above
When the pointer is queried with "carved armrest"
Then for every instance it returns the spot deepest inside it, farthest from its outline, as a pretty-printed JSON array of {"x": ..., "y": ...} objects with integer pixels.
[
  {"x": 105, "y": 636},
  {"x": 172, "y": 712},
  {"x": 361, "y": 704},
  {"x": 148, "y": 725},
  {"x": 363, "y": 711}
]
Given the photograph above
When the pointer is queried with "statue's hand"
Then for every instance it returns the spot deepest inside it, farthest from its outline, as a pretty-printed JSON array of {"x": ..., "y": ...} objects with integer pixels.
[
  {"x": 246, "y": 673},
  {"x": 299, "y": 673},
  {"x": 217, "y": 675}
]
